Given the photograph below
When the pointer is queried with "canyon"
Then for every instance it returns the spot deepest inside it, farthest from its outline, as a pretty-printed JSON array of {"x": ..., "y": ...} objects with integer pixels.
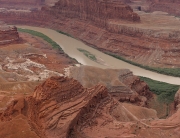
[
  {"x": 121, "y": 84},
  {"x": 169, "y": 6},
  {"x": 148, "y": 38},
  {"x": 46, "y": 94},
  {"x": 62, "y": 107},
  {"x": 26, "y": 63}
]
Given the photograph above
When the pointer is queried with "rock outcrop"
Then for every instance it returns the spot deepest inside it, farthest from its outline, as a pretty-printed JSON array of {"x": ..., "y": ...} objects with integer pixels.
[
  {"x": 121, "y": 83},
  {"x": 8, "y": 34},
  {"x": 177, "y": 99},
  {"x": 56, "y": 106},
  {"x": 24, "y": 64},
  {"x": 169, "y": 6},
  {"x": 61, "y": 108},
  {"x": 98, "y": 12},
  {"x": 12, "y": 2}
]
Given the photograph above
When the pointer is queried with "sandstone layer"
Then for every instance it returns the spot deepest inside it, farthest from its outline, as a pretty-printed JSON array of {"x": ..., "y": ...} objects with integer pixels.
[
  {"x": 12, "y": 2},
  {"x": 121, "y": 83},
  {"x": 25, "y": 64},
  {"x": 177, "y": 100},
  {"x": 61, "y": 107},
  {"x": 8, "y": 34},
  {"x": 169, "y": 6},
  {"x": 24, "y": 5}
]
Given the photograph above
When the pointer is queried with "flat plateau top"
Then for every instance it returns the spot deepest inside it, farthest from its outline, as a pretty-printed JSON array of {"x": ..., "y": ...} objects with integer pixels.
[{"x": 4, "y": 27}]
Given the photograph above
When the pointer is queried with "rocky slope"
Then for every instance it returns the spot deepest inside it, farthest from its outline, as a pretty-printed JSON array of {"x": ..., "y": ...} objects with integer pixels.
[
  {"x": 121, "y": 84},
  {"x": 12, "y": 2},
  {"x": 177, "y": 100},
  {"x": 25, "y": 5},
  {"x": 24, "y": 64},
  {"x": 61, "y": 107},
  {"x": 169, "y": 6},
  {"x": 8, "y": 34}
]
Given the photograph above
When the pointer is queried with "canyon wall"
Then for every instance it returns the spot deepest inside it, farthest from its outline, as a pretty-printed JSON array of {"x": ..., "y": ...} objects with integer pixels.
[
  {"x": 99, "y": 11},
  {"x": 16, "y": 2},
  {"x": 108, "y": 26},
  {"x": 61, "y": 107},
  {"x": 121, "y": 84},
  {"x": 169, "y": 6},
  {"x": 8, "y": 34}
]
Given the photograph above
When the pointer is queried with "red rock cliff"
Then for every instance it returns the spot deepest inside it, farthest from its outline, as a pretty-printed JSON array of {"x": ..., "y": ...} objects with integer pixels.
[
  {"x": 57, "y": 106},
  {"x": 12, "y": 2},
  {"x": 8, "y": 34},
  {"x": 106, "y": 31},
  {"x": 61, "y": 108},
  {"x": 97, "y": 11},
  {"x": 169, "y": 6}
]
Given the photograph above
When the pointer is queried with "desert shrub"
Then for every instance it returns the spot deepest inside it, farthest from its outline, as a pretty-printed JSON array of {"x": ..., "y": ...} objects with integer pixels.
[
  {"x": 164, "y": 91},
  {"x": 41, "y": 35},
  {"x": 167, "y": 71}
]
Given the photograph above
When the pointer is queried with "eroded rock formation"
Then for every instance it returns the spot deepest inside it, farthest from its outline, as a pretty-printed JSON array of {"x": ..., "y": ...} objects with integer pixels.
[
  {"x": 12, "y": 2},
  {"x": 8, "y": 34},
  {"x": 121, "y": 83},
  {"x": 177, "y": 99},
  {"x": 62, "y": 108},
  {"x": 98, "y": 12},
  {"x": 23, "y": 65},
  {"x": 169, "y": 6}
]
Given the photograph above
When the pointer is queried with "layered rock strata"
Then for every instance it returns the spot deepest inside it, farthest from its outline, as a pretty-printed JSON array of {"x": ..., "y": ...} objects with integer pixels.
[
  {"x": 98, "y": 12},
  {"x": 111, "y": 30},
  {"x": 121, "y": 84},
  {"x": 62, "y": 108},
  {"x": 169, "y": 6},
  {"x": 25, "y": 64},
  {"x": 11, "y": 2},
  {"x": 8, "y": 34},
  {"x": 177, "y": 100}
]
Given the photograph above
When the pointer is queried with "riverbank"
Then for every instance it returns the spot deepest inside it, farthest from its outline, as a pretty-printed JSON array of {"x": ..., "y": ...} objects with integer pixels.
[
  {"x": 70, "y": 46},
  {"x": 166, "y": 71}
]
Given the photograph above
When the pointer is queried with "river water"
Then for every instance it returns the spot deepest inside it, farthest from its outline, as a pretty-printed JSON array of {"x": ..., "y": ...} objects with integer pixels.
[{"x": 70, "y": 46}]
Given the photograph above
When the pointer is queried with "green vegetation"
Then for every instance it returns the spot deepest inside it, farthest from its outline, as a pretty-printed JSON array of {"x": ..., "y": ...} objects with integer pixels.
[
  {"x": 167, "y": 71},
  {"x": 65, "y": 33},
  {"x": 88, "y": 54},
  {"x": 164, "y": 91},
  {"x": 44, "y": 37}
]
